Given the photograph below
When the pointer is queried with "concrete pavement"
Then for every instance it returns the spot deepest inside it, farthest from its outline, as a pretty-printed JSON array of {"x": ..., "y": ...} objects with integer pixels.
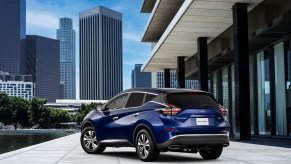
[{"x": 68, "y": 150}]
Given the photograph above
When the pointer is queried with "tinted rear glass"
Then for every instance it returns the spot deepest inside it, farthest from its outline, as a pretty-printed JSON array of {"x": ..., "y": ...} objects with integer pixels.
[
  {"x": 149, "y": 97},
  {"x": 135, "y": 100},
  {"x": 192, "y": 100}
]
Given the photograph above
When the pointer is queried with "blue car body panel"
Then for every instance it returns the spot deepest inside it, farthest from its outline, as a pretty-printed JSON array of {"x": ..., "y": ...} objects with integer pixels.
[{"x": 121, "y": 124}]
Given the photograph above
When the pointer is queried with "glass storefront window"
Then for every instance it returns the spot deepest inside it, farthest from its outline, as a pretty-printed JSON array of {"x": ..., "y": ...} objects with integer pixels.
[
  {"x": 225, "y": 98},
  {"x": 263, "y": 79},
  {"x": 215, "y": 86},
  {"x": 233, "y": 100},
  {"x": 283, "y": 90},
  {"x": 252, "y": 95},
  {"x": 288, "y": 85}
]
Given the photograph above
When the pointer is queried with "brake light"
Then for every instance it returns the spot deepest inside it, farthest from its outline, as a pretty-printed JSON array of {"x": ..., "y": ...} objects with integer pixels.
[
  {"x": 223, "y": 110},
  {"x": 170, "y": 110}
]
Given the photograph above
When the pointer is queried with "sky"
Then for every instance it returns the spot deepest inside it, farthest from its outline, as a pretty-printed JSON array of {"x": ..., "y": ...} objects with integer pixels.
[{"x": 42, "y": 18}]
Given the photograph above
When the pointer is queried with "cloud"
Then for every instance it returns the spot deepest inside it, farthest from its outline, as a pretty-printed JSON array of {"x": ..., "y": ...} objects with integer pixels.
[
  {"x": 131, "y": 36},
  {"x": 44, "y": 20},
  {"x": 133, "y": 62}
]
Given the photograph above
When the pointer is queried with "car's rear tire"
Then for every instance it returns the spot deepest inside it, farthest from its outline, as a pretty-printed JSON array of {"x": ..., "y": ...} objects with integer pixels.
[
  {"x": 89, "y": 142},
  {"x": 212, "y": 153},
  {"x": 146, "y": 147}
]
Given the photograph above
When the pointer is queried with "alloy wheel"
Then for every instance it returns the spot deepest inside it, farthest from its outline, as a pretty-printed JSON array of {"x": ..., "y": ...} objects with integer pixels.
[
  {"x": 143, "y": 145},
  {"x": 89, "y": 140}
]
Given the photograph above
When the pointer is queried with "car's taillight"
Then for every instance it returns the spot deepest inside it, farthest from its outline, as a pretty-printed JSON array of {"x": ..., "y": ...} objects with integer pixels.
[
  {"x": 223, "y": 110},
  {"x": 169, "y": 111}
]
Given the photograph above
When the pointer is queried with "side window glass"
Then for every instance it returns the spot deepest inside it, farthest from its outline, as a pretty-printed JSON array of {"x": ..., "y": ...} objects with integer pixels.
[
  {"x": 135, "y": 100},
  {"x": 149, "y": 97},
  {"x": 117, "y": 103}
]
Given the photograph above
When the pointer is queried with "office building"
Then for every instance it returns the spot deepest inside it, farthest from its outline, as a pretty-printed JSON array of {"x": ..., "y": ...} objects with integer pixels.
[
  {"x": 66, "y": 36},
  {"x": 5, "y": 76},
  {"x": 12, "y": 35},
  {"x": 17, "y": 88},
  {"x": 158, "y": 81},
  {"x": 43, "y": 63},
  {"x": 241, "y": 46},
  {"x": 140, "y": 79},
  {"x": 100, "y": 53}
]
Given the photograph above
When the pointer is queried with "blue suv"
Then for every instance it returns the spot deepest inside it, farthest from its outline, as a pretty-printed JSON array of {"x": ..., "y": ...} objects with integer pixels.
[{"x": 155, "y": 120}]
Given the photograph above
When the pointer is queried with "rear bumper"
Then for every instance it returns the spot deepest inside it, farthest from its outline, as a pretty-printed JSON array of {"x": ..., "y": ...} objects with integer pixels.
[{"x": 196, "y": 140}]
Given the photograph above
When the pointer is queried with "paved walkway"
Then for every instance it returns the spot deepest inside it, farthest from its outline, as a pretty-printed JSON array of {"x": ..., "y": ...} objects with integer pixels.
[{"x": 68, "y": 150}]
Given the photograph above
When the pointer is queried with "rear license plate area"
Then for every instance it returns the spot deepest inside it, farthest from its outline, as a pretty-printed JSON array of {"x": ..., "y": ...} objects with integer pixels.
[{"x": 202, "y": 121}]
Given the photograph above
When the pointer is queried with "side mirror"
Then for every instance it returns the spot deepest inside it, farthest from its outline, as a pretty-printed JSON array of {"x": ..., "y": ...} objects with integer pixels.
[{"x": 103, "y": 108}]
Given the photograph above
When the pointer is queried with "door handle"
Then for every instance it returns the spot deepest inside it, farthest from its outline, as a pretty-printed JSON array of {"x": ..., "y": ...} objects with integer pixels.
[
  {"x": 115, "y": 118},
  {"x": 136, "y": 114}
]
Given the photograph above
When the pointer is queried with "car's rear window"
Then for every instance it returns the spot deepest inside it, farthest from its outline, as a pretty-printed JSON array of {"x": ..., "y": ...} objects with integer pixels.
[{"x": 192, "y": 101}]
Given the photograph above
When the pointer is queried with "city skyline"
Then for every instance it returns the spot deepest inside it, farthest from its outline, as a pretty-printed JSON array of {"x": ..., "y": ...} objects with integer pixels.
[
  {"x": 12, "y": 36},
  {"x": 43, "y": 56},
  {"x": 67, "y": 37},
  {"x": 140, "y": 79},
  {"x": 100, "y": 53},
  {"x": 45, "y": 22}
]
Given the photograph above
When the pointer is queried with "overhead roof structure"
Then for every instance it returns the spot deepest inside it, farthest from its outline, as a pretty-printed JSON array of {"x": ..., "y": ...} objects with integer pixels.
[
  {"x": 162, "y": 14},
  {"x": 148, "y": 6},
  {"x": 195, "y": 18}
]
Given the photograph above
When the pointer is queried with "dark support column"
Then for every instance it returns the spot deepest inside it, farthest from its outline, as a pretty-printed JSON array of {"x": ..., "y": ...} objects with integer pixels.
[
  {"x": 202, "y": 63},
  {"x": 167, "y": 78},
  {"x": 241, "y": 69},
  {"x": 181, "y": 72}
]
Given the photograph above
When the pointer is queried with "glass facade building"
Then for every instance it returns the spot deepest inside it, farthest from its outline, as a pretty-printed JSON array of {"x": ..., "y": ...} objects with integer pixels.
[
  {"x": 12, "y": 36},
  {"x": 66, "y": 36},
  {"x": 140, "y": 79},
  {"x": 100, "y": 53},
  {"x": 43, "y": 63},
  {"x": 248, "y": 57}
]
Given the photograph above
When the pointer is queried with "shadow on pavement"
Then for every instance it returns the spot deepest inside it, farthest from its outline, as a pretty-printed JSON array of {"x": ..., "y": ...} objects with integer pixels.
[
  {"x": 268, "y": 141},
  {"x": 164, "y": 157}
]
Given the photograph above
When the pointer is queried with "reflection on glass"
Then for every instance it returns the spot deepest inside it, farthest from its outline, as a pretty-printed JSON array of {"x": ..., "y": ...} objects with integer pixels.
[
  {"x": 233, "y": 99},
  {"x": 263, "y": 78},
  {"x": 288, "y": 85},
  {"x": 281, "y": 119},
  {"x": 252, "y": 96},
  {"x": 215, "y": 91},
  {"x": 225, "y": 99}
]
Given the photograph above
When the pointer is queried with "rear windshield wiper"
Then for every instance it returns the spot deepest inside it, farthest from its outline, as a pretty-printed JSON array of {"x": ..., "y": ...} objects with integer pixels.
[{"x": 207, "y": 106}]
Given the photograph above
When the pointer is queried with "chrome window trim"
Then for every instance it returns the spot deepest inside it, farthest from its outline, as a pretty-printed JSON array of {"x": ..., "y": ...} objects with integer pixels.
[{"x": 128, "y": 97}]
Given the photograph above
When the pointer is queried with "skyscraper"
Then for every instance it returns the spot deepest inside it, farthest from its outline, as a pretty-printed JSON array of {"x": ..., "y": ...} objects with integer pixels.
[
  {"x": 100, "y": 53},
  {"x": 66, "y": 36},
  {"x": 12, "y": 35},
  {"x": 43, "y": 63},
  {"x": 140, "y": 79}
]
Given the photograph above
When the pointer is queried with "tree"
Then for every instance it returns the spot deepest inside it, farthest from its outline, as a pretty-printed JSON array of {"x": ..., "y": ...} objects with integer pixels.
[
  {"x": 84, "y": 110},
  {"x": 59, "y": 116},
  {"x": 37, "y": 110},
  {"x": 19, "y": 109},
  {"x": 45, "y": 119},
  {"x": 5, "y": 112}
]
